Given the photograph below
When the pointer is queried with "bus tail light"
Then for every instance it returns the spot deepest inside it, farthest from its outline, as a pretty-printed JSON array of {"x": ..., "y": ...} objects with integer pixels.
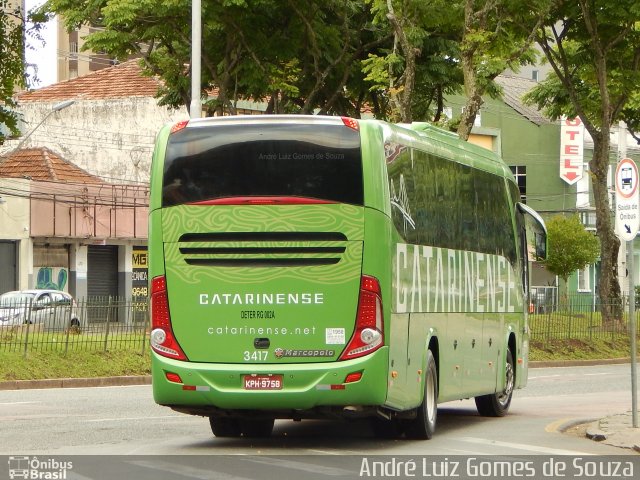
[
  {"x": 351, "y": 123},
  {"x": 368, "y": 335},
  {"x": 163, "y": 341}
]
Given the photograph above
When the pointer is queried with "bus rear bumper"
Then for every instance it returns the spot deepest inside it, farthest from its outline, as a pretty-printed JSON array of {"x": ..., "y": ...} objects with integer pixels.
[{"x": 209, "y": 387}]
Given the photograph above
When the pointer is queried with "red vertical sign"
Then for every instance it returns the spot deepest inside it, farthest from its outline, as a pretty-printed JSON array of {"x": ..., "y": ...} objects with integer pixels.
[{"x": 571, "y": 150}]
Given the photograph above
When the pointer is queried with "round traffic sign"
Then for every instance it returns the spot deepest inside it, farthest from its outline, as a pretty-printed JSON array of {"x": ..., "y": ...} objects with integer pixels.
[{"x": 627, "y": 208}]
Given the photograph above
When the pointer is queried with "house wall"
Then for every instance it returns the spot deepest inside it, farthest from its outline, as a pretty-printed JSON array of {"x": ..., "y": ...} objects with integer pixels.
[
  {"x": 111, "y": 138},
  {"x": 14, "y": 226},
  {"x": 89, "y": 211}
]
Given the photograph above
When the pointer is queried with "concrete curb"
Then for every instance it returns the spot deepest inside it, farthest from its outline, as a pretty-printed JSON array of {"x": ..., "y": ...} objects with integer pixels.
[
  {"x": 76, "y": 382},
  {"x": 578, "y": 363}
]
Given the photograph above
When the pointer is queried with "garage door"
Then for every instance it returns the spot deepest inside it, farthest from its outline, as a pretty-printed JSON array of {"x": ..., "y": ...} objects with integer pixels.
[
  {"x": 102, "y": 281},
  {"x": 8, "y": 262}
]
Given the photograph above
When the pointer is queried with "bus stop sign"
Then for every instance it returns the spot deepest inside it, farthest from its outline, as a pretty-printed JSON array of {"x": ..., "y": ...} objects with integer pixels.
[{"x": 627, "y": 213}]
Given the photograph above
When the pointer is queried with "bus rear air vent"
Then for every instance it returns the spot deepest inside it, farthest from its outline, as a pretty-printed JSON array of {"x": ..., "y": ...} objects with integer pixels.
[{"x": 262, "y": 249}]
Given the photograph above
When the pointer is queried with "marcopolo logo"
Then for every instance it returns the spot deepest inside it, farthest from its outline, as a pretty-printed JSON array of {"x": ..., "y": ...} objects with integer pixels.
[
  {"x": 38, "y": 469},
  {"x": 281, "y": 353}
]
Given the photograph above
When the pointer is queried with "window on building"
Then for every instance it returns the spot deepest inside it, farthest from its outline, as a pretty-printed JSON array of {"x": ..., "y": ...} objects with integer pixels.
[
  {"x": 520, "y": 172},
  {"x": 584, "y": 276},
  {"x": 478, "y": 120},
  {"x": 582, "y": 193},
  {"x": 535, "y": 75}
]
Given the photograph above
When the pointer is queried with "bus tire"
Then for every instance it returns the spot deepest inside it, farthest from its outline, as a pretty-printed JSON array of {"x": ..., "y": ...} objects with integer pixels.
[
  {"x": 424, "y": 425},
  {"x": 497, "y": 404},
  {"x": 257, "y": 428},
  {"x": 225, "y": 426}
]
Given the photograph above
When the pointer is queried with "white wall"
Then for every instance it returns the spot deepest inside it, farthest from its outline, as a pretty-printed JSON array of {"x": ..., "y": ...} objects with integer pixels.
[
  {"x": 14, "y": 208},
  {"x": 110, "y": 138}
]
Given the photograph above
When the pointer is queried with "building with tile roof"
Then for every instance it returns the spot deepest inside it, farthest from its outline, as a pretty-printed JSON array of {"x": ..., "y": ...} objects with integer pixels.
[
  {"x": 73, "y": 196},
  {"x": 124, "y": 80},
  {"x": 108, "y": 130},
  {"x": 41, "y": 164}
]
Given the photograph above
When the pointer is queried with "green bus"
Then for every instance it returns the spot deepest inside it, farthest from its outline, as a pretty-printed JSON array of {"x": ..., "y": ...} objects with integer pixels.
[{"x": 329, "y": 267}]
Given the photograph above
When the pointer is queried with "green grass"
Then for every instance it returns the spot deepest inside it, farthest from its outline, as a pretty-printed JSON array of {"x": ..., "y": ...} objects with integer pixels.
[
  {"x": 75, "y": 364},
  {"x": 580, "y": 349},
  {"x": 80, "y": 364}
]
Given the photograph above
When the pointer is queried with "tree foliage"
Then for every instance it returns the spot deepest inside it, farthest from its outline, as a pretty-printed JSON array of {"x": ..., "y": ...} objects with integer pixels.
[
  {"x": 300, "y": 56},
  {"x": 593, "y": 47},
  {"x": 571, "y": 247},
  {"x": 12, "y": 70},
  {"x": 496, "y": 35},
  {"x": 400, "y": 58}
]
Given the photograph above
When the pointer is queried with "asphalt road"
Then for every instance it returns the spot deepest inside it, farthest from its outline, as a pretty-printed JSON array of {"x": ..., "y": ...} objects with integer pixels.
[{"x": 125, "y": 421}]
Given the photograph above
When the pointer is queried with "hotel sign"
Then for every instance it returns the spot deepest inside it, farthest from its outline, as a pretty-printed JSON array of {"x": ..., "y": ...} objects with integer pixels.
[{"x": 571, "y": 150}]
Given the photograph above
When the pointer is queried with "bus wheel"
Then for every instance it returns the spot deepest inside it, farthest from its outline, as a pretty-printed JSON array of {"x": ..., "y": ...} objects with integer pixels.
[
  {"x": 424, "y": 425},
  {"x": 225, "y": 426},
  {"x": 257, "y": 428},
  {"x": 497, "y": 404}
]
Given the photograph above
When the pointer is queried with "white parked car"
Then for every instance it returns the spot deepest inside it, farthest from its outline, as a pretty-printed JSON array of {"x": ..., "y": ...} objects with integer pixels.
[{"x": 54, "y": 309}]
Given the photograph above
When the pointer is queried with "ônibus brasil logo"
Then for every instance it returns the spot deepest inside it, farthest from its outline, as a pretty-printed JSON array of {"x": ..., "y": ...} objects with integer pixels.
[{"x": 38, "y": 469}]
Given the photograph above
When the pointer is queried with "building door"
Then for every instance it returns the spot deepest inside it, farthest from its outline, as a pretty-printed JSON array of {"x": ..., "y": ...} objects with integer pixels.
[
  {"x": 9, "y": 267},
  {"x": 102, "y": 282}
]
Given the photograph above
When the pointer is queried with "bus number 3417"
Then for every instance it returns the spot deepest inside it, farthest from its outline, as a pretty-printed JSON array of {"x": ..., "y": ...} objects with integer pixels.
[{"x": 255, "y": 356}]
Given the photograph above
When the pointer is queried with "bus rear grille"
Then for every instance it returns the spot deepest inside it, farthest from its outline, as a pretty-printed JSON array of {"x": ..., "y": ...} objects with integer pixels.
[{"x": 262, "y": 249}]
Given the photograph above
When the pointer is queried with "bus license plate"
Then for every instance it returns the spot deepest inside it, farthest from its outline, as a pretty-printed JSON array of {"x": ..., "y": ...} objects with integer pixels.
[{"x": 263, "y": 382}]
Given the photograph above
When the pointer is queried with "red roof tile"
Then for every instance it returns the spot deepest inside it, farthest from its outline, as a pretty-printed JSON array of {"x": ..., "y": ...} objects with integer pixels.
[
  {"x": 42, "y": 164},
  {"x": 120, "y": 81}
]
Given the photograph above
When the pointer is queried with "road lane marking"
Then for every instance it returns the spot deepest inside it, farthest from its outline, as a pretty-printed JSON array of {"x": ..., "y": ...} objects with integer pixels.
[
  {"x": 523, "y": 446},
  {"x": 185, "y": 471},
  {"x": 126, "y": 419},
  {"x": 296, "y": 465},
  {"x": 19, "y": 403}
]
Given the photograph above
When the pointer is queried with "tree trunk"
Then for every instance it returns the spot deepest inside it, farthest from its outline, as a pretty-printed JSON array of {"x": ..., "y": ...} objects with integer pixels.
[
  {"x": 608, "y": 286},
  {"x": 474, "y": 98},
  {"x": 471, "y": 88}
]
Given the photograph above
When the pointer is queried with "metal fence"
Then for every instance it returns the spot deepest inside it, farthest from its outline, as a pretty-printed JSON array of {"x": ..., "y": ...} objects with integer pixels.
[
  {"x": 576, "y": 317},
  {"x": 99, "y": 324},
  {"x": 107, "y": 324}
]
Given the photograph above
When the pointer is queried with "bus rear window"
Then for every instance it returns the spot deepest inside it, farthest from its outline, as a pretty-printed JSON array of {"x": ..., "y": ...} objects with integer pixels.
[{"x": 314, "y": 161}]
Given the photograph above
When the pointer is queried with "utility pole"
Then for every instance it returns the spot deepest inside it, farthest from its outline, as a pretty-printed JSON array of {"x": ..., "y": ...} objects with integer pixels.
[{"x": 622, "y": 152}]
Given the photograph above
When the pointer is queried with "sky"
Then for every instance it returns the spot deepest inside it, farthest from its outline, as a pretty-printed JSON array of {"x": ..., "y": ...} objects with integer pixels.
[{"x": 44, "y": 58}]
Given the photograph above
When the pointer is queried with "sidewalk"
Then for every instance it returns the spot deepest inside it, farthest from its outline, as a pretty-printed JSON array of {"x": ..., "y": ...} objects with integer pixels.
[{"x": 616, "y": 430}]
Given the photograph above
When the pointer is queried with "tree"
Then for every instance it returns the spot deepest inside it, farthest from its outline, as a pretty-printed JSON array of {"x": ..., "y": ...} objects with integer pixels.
[
  {"x": 420, "y": 67},
  {"x": 496, "y": 35},
  {"x": 593, "y": 47},
  {"x": 12, "y": 72},
  {"x": 571, "y": 247},
  {"x": 471, "y": 42},
  {"x": 298, "y": 55}
]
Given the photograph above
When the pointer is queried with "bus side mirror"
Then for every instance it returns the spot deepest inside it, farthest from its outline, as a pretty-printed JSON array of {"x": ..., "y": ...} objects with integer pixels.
[{"x": 536, "y": 233}]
